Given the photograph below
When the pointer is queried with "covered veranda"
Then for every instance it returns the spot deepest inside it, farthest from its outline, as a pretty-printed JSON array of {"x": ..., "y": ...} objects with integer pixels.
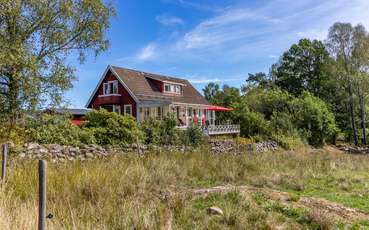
[{"x": 186, "y": 114}]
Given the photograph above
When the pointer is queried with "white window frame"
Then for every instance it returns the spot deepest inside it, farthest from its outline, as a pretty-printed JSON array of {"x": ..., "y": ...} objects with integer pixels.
[
  {"x": 109, "y": 88},
  {"x": 125, "y": 109},
  {"x": 117, "y": 109},
  {"x": 173, "y": 88},
  {"x": 165, "y": 90}
]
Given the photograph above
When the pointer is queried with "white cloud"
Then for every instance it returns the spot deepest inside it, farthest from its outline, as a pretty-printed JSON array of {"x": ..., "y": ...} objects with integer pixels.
[
  {"x": 226, "y": 27},
  {"x": 216, "y": 79},
  {"x": 148, "y": 52},
  {"x": 168, "y": 20},
  {"x": 252, "y": 38},
  {"x": 193, "y": 4}
]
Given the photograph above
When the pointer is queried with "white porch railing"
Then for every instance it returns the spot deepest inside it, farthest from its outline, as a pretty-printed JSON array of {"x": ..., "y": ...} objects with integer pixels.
[{"x": 223, "y": 129}]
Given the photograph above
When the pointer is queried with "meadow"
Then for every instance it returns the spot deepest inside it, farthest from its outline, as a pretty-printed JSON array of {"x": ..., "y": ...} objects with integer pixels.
[{"x": 162, "y": 190}]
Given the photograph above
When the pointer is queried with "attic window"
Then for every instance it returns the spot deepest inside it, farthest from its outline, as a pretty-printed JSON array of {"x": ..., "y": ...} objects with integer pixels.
[
  {"x": 172, "y": 88},
  {"x": 111, "y": 87}
]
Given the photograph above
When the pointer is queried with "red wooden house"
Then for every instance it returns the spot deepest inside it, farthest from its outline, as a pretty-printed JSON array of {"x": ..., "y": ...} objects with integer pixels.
[{"x": 146, "y": 95}]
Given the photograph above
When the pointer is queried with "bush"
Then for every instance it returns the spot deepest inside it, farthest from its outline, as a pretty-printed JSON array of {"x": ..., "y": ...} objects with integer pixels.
[
  {"x": 314, "y": 119},
  {"x": 112, "y": 129},
  {"x": 152, "y": 130},
  {"x": 289, "y": 142},
  {"x": 276, "y": 114},
  {"x": 161, "y": 132},
  {"x": 194, "y": 135},
  {"x": 252, "y": 123},
  {"x": 56, "y": 129}
]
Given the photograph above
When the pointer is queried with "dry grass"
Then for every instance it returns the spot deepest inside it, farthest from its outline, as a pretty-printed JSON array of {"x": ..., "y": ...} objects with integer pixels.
[{"x": 131, "y": 192}]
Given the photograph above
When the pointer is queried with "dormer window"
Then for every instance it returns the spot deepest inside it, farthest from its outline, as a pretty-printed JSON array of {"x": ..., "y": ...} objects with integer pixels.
[
  {"x": 172, "y": 88},
  {"x": 111, "y": 87}
]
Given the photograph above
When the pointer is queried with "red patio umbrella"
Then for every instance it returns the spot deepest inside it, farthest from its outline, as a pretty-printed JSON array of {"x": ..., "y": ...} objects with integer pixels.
[{"x": 218, "y": 108}]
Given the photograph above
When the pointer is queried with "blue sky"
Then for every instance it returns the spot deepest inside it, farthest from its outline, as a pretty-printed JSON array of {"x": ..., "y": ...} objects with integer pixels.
[{"x": 210, "y": 40}]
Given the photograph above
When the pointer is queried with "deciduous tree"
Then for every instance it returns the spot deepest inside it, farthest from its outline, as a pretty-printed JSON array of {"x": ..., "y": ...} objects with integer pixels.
[{"x": 36, "y": 38}]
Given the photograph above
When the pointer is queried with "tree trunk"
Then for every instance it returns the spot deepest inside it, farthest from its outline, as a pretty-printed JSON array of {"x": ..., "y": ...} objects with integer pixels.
[
  {"x": 351, "y": 107},
  {"x": 13, "y": 93},
  {"x": 362, "y": 116}
]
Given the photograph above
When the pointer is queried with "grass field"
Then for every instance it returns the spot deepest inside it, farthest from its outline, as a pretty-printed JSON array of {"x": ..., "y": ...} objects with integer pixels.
[{"x": 156, "y": 191}]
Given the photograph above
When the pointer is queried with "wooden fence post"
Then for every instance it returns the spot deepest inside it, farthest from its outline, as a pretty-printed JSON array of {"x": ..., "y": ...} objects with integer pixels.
[
  {"x": 138, "y": 146},
  {"x": 42, "y": 194},
  {"x": 4, "y": 156}
]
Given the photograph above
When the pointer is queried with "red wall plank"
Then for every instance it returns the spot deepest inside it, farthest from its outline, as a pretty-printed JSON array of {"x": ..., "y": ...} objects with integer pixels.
[{"x": 122, "y": 100}]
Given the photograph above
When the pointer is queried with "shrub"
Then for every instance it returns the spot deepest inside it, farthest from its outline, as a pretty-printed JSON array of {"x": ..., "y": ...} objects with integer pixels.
[
  {"x": 289, "y": 142},
  {"x": 252, "y": 123},
  {"x": 112, "y": 129},
  {"x": 152, "y": 131},
  {"x": 314, "y": 119},
  {"x": 161, "y": 132},
  {"x": 194, "y": 135},
  {"x": 56, "y": 129},
  {"x": 169, "y": 134}
]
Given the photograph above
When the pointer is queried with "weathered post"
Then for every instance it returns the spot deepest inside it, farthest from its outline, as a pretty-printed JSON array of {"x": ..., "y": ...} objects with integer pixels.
[
  {"x": 4, "y": 156},
  {"x": 42, "y": 194},
  {"x": 138, "y": 146}
]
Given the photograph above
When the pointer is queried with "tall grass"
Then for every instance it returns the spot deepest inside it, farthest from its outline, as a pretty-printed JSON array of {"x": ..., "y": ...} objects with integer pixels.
[{"x": 127, "y": 191}]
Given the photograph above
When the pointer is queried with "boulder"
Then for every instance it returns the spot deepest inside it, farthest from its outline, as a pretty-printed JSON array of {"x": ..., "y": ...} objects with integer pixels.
[
  {"x": 215, "y": 211},
  {"x": 31, "y": 146}
]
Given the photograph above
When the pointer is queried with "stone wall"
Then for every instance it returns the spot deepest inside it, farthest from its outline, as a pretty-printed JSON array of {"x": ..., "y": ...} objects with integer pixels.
[
  {"x": 231, "y": 146},
  {"x": 354, "y": 149},
  {"x": 62, "y": 153}
]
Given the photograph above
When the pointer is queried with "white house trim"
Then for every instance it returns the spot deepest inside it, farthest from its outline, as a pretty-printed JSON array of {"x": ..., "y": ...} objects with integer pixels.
[{"x": 127, "y": 106}]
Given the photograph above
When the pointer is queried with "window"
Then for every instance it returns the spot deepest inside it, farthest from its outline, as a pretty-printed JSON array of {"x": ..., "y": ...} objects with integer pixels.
[
  {"x": 112, "y": 108},
  {"x": 128, "y": 109},
  {"x": 111, "y": 87},
  {"x": 189, "y": 111},
  {"x": 172, "y": 88},
  {"x": 177, "y": 89},
  {"x": 159, "y": 111},
  {"x": 147, "y": 112}
]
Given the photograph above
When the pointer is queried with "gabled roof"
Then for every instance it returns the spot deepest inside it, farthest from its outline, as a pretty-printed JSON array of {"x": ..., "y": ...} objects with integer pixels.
[{"x": 142, "y": 86}]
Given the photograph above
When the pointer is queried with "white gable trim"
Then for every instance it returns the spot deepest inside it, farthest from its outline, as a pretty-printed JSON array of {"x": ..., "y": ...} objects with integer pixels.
[
  {"x": 124, "y": 84},
  {"x": 101, "y": 80}
]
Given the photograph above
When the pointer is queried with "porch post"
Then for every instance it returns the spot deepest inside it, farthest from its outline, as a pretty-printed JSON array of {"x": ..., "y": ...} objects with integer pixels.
[{"x": 138, "y": 115}]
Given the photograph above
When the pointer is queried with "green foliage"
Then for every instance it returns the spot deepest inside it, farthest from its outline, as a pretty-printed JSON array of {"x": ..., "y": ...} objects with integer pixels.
[
  {"x": 252, "y": 123},
  {"x": 302, "y": 68},
  {"x": 164, "y": 132},
  {"x": 36, "y": 42},
  {"x": 257, "y": 80},
  {"x": 152, "y": 130},
  {"x": 269, "y": 101},
  {"x": 313, "y": 117},
  {"x": 227, "y": 96},
  {"x": 276, "y": 114},
  {"x": 210, "y": 91},
  {"x": 56, "y": 129},
  {"x": 195, "y": 135},
  {"x": 289, "y": 142},
  {"x": 161, "y": 132},
  {"x": 113, "y": 129}
]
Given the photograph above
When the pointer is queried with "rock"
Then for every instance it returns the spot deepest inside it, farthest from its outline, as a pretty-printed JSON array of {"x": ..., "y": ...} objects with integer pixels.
[
  {"x": 55, "y": 147},
  {"x": 89, "y": 155},
  {"x": 215, "y": 211},
  {"x": 42, "y": 150},
  {"x": 31, "y": 146}
]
